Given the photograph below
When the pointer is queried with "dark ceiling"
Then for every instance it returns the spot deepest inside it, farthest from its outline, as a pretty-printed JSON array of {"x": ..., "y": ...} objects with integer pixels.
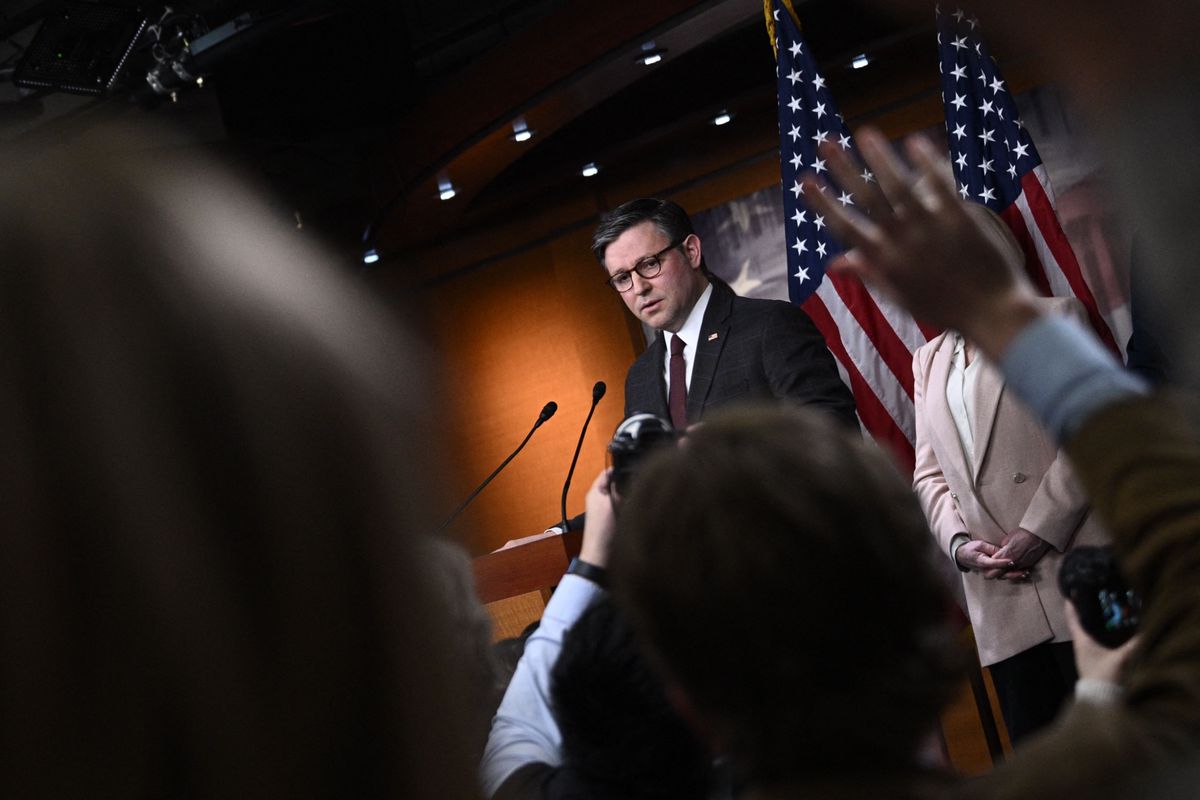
[{"x": 349, "y": 111}]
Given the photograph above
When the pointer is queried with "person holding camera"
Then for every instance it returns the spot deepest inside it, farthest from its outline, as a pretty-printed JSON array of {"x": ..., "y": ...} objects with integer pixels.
[{"x": 584, "y": 715}]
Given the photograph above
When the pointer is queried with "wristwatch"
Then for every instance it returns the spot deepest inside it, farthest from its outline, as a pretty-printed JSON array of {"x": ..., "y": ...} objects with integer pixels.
[{"x": 597, "y": 575}]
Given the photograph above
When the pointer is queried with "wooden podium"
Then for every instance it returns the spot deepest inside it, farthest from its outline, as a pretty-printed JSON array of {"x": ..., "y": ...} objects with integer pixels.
[{"x": 514, "y": 583}]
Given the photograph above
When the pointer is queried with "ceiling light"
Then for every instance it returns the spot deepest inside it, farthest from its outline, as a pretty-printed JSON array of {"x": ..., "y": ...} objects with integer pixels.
[
  {"x": 651, "y": 54},
  {"x": 371, "y": 256},
  {"x": 521, "y": 132},
  {"x": 589, "y": 169},
  {"x": 446, "y": 189},
  {"x": 724, "y": 118},
  {"x": 859, "y": 61}
]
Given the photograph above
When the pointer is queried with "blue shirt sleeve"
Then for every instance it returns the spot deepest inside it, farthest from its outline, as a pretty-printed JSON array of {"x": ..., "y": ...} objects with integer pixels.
[
  {"x": 1065, "y": 375},
  {"x": 524, "y": 730}
]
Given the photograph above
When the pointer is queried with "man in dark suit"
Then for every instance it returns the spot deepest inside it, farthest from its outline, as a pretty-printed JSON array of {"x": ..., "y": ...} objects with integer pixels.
[{"x": 712, "y": 347}]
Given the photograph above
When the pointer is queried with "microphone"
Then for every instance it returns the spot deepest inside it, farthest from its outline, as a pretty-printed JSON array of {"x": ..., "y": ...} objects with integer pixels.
[
  {"x": 597, "y": 392},
  {"x": 547, "y": 412}
]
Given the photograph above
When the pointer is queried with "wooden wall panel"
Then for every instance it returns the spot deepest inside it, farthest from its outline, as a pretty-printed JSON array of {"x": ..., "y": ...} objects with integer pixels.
[{"x": 536, "y": 327}]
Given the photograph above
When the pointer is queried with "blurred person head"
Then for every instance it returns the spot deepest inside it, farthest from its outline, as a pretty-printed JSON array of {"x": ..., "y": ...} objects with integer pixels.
[
  {"x": 779, "y": 570},
  {"x": 620, "y": 735},
  {"x": 210, "y": 581}
]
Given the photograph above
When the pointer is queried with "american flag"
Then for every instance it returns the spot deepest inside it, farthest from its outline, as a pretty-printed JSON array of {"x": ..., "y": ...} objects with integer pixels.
[
  {"x": 872, "y": 339},
  {"x": 995, "y": 162}
]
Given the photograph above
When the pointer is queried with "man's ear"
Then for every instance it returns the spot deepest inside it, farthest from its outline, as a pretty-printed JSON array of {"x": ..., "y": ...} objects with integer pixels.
[{"x": 693, "y": 251}]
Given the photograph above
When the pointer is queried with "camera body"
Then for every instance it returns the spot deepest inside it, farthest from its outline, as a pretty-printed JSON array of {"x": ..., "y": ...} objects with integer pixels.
[
  {"x": 1108, "y": 609},
  {"x": 637, "y": 436}
]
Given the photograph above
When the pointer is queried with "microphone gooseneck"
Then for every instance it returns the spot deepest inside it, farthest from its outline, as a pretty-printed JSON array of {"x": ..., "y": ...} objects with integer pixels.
[
  {"x": 597, "y": 393},
  {"x": 547, "y": 412}
]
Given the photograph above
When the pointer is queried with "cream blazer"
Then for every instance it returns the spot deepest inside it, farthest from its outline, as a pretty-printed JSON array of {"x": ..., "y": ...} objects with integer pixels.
[{"x": 1019, "y": 478}]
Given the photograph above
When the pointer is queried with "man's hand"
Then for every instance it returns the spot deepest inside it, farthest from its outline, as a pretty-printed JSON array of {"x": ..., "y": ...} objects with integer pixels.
[
  {"x": 910, "y": 234},
  {"x": 599, "y": 525},
  {"x": 1023, "y": 548},
  {"x": 980, "y": 556},
  {"x": 1094, "y": 661}
]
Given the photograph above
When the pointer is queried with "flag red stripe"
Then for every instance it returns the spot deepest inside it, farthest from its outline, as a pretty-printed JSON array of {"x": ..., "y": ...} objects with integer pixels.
[
  {"x": 1033, "y": 262},
  {"x": 875, "y": 417},
  {"x": 894, "y": 352},
  {"x": 1056, "y": 239}
]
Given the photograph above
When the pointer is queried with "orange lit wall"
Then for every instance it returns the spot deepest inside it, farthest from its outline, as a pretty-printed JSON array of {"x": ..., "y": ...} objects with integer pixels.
[{"x": 513, "y": 335}]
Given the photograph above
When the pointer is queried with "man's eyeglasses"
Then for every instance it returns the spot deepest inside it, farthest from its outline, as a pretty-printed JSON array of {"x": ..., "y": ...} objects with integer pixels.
[{"x": 648, "y": 267}]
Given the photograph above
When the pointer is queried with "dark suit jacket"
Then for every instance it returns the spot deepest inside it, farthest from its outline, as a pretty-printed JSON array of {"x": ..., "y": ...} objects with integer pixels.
[{"x": 750, "y": 348}]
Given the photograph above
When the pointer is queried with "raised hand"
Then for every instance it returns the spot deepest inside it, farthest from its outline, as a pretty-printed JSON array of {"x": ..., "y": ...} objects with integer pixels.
[{"x": 909, "y": 233}]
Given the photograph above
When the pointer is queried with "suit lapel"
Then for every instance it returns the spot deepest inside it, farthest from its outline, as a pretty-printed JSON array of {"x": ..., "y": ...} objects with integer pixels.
[
  {"x": 937, "y": 407},
  {"x": 713, "y": 332},
  {"x": 989, "y": 385},
  {"x": 652, "y": 386}
]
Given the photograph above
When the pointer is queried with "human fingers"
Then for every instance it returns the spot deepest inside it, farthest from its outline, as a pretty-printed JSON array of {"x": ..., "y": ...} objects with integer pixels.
[
  {"x": 600, "y": 482},
  {"x": 895, "y": 179},
  {"x": 852, "y": 229},
  {"x": 598, "y": 503},
  {"x": 935, "y": 181},
  {"x": 989, "y": 562},
  {"x": 856, "y": 180},
  {"x": 599, "y": 524},
  {"x": 987, "y": 548}
]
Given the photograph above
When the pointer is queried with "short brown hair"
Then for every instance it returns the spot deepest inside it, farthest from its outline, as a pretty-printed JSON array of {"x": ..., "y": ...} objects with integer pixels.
[{"x": 781, "y": 571}]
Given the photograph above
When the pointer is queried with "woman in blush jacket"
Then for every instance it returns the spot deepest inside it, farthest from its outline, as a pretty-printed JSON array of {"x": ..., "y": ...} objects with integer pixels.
[{"x": 1004, "y": 505}]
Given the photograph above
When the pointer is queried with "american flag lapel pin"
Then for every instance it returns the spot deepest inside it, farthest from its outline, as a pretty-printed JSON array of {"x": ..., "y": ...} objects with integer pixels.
[{"x": 712, "y": 337}]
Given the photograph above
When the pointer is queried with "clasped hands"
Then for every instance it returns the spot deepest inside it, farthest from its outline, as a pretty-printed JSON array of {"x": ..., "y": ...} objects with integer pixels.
[{"x": 1011, "y": 560}]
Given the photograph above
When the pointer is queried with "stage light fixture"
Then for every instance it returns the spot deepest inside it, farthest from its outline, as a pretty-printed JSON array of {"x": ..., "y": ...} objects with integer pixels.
[
  {"x": 521, "y": 131},
  {"x": 724, "y": 118},
  {"x": 80, "y": 48},
  {"x": 371, "y": 256},
  {"x": 651, "y": 54},
  {"x": 860, "y": 61},
  {"x": 446, "y": 189},
  {"x": 589, "y": 169}
]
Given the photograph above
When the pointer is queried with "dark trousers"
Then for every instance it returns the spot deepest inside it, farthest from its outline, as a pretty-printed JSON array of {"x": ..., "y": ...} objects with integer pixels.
[{"x": 1033, "y": 685}]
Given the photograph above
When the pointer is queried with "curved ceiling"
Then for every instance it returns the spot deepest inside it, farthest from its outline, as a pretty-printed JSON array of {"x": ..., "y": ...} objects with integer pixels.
[{"x": 351, "y": 110}]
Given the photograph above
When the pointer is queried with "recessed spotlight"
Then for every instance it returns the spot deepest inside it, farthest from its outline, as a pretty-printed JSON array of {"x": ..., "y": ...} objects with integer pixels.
[
  {"x": 724, "y": 118},
  {"x": 371, "y": 256},
  {"x": 589, "y": 169},
  {"x": 860, "y": 61},
  {"x": 651, "y": 54},
  {"x": 446, "y": 189},
  {"x": 521, "y": 132}
]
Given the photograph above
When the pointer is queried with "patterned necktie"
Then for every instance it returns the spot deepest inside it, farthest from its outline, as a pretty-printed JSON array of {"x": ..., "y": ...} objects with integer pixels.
[{"x": 677, "y": 391}]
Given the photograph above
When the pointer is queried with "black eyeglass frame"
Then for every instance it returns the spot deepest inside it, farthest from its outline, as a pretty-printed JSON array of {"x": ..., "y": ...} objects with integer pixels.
[{"x": 641, "y": 267}]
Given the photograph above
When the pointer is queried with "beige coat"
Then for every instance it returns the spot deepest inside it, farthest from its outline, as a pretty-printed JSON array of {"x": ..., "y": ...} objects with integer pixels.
[{"x": 1019, "y": 479}]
